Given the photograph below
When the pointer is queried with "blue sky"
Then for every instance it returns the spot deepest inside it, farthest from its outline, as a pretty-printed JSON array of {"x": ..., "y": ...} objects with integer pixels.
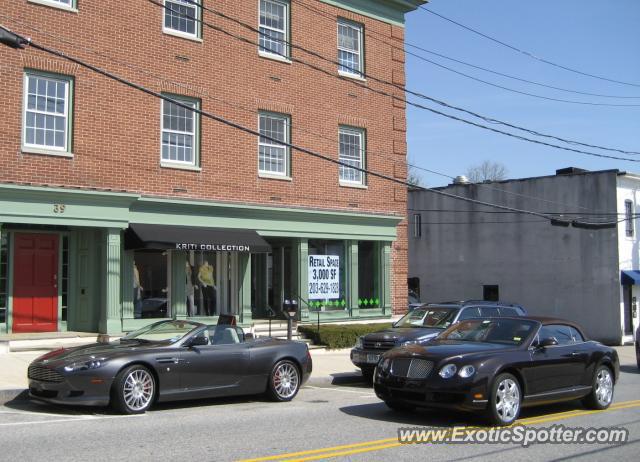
[{"x": 597, "y": 37}]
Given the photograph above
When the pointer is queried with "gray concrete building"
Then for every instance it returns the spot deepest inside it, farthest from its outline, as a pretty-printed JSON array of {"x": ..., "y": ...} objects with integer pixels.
[{"x": 462, "y": 250}]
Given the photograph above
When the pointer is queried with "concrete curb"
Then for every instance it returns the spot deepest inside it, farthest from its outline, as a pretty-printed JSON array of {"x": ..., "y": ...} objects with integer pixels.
[{"x": 18, "y": 394}]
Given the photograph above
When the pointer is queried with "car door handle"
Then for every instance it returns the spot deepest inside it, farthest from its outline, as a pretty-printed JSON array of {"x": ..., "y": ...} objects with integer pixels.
[{"x": 575, "y": 353}]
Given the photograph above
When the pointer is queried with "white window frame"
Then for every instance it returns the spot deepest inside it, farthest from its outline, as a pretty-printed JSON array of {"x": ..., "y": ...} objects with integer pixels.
[
  {"x": 287, "y": 51},
  {"x": 360, "y": 30},
  {"x": 67, "y": 5},
  {"x": 287, "y": 151},
  {"x": 194, "y": 163},
  {"x": 197, "y": 5},
  {"x": 43, "y": 148},
  {"x": 361, "y": 133}
]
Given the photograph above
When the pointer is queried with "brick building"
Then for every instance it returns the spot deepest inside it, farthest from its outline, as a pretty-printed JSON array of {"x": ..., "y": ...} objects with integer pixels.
[{"x": 117, "y": 207}]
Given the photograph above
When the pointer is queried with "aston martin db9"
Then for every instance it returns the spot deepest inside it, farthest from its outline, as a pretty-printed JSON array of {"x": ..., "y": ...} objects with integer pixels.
[
  {"x": 170, "y": 360},
  {"x": 497, "y": 366}
]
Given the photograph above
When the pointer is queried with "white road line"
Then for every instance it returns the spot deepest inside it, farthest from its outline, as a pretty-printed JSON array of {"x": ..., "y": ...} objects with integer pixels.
[
  {"x": 69, "y": 419},
  {"x": 34, "y": 413},
  {"x": 340, "y": 389}
]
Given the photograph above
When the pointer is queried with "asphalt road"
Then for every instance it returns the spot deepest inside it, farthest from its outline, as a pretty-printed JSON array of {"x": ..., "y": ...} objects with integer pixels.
[{"x": 339, "y": 422}]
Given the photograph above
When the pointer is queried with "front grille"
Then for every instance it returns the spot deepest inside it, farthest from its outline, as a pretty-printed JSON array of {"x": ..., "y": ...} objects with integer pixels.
[
  {"x": 44, "y": 374},
  {"x": 411, "y": 368},
  {"x": 382, "y": 345}
]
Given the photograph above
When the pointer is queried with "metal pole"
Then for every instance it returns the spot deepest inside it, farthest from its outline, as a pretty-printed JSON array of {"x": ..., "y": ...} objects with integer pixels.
[{"x": 289, "y": 326}]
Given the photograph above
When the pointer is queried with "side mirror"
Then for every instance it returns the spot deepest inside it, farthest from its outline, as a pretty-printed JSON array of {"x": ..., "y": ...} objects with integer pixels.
[
  {"x": 547, "y": 342},
  {"x": 197, "y": 341}
]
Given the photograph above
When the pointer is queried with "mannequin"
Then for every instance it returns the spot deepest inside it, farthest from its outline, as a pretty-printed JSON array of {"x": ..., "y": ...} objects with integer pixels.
[
  {"x": 206, "y": 278},
  {"x": 190, "y": 290}
]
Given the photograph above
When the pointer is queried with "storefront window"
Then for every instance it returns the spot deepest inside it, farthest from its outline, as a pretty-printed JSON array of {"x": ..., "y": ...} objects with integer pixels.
[
  {"x": 150, "y": 284},
  {"x": 368, "y": 280},
  {"x": 203, "y": 284},
  {"x": 329, "y": 250},
  {"x": 4, "y": 249},
  {"x": 272, "y": 280}
]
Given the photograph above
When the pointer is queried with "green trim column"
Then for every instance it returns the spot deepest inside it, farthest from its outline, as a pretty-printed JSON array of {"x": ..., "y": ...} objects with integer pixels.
[
  {"x": 127, "y": 284},
  {"x": 386, "y": 276},
  {"x": 110, "y": 317},
  {"x": 351, "y": 278},
  {"x": 302, "y": 251},
  {"x": 178, "y": 295},
  {"x": 4, "y": 327},
  {"x": 244, "y": 291}
]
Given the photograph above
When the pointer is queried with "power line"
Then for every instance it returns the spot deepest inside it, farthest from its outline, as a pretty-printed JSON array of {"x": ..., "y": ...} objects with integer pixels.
[
  {"x": 23, "y": 41},
  {"x": 387, "y": 94},
  {"x": 488, "y": 119},
  {"x": 527, "y": 53}
]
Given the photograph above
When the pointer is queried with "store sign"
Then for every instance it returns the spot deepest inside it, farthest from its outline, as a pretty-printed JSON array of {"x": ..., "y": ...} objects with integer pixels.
[
  {"x": 213, "y": 247},
  {"x": 324, "y": 277}
]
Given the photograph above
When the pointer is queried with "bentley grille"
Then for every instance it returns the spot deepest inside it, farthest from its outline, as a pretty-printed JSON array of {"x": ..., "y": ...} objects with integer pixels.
[
  {"x": 411, "y": 368},
  {"x": 44, "y": 374}
]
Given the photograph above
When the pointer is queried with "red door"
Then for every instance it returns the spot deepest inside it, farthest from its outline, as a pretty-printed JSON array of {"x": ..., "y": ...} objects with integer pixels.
[{"x": 35, "y": 283}]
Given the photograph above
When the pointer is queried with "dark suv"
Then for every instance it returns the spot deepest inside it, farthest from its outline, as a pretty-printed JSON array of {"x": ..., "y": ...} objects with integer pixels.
[{"x": 423, "y": 324}]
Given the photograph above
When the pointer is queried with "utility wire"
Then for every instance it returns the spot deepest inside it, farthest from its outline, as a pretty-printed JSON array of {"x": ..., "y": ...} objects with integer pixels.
[
  {"x": 19, "y": 41},
  {"x": 400, "y": 87},
  {"x": 527, "y": 53},
  {"x": 146, "y": 72}
]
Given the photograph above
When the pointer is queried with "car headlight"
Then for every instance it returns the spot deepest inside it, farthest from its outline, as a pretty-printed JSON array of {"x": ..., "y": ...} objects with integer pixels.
[
  {"x": 447, "y": 371},
  {"x": 359, "y": 342},
  {"x": 93, "y": 363},
  {"x": 466, "y": 371}
]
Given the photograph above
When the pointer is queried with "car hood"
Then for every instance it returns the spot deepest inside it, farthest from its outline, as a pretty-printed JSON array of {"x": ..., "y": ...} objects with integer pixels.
[
  {"x": 96, "y": 350},
  {"x": 440, "y": 349},
  {"x": 402, "y": 334}
]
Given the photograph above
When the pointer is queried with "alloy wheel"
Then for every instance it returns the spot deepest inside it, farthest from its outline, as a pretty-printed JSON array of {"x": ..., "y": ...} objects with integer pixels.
[
  {"x": 286, "y": 380},
  {"x": 507, "y": 400},
  {"x": 138, "y": 389},
  {"x": 604, "y": 386}
]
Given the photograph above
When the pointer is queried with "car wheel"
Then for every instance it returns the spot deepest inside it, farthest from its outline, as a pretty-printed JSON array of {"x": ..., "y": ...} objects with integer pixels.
[
  {"x": 133, "y": 390},
  {"x": 399, "y": 406},
  {"x": 367, "y": 375},
  {"x": 505, "y": 400},
  {"x": 284, "y": 381},
  {"x": 602, "y": 389}
]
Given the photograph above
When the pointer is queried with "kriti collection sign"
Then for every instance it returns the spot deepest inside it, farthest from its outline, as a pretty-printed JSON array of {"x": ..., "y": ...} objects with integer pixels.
[{"x": 324, "y": 277}]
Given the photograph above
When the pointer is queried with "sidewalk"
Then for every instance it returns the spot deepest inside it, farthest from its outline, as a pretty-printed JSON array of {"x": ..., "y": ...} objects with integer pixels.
[{"x": 329, "y": 366}]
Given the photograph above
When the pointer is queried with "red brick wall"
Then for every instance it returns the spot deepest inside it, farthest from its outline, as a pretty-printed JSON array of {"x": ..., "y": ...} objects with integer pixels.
[{"x": 116, "y": 133}]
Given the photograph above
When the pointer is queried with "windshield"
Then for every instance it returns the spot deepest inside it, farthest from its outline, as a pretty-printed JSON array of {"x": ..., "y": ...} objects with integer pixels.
[
  {"x": 503, "y": 331},
  {"x": 164, "y": 331},
  {"x": 440, "y": 317}
]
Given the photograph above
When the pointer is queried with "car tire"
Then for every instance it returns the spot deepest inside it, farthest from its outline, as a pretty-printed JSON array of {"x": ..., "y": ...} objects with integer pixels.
[
  {"x": 505, "y": 400},
  {"x": 602, "y": 388},
  {"x": 284, "y": 381},
  {"x": 134, "y": 390},
  {"x": 399, "y": 406},
  {"x": 367, "y": 375}
]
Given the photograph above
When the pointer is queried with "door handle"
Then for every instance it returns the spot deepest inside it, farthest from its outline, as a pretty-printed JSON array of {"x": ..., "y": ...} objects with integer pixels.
[{"x": 575, "y": 353}]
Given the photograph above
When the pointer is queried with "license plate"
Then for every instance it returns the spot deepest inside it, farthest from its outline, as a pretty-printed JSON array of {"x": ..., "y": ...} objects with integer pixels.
[{"x": 372, "y": 358}]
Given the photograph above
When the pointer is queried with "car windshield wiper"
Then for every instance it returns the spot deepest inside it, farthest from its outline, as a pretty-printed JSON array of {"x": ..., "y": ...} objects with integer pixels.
[{"x": 134, "y": 339}]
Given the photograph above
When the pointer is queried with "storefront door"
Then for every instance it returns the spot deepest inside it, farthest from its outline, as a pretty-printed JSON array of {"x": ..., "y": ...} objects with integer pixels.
[{"x": 35, "y": 287}]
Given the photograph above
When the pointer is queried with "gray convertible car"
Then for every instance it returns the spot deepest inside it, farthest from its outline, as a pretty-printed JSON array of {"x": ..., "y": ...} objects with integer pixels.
[{"x": 167, "y": 361}]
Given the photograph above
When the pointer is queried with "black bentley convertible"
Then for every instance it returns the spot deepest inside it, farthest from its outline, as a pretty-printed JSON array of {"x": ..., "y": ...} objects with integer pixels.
[
  {"x": 170, "y": 360},
  {"x": 497, "y": 366}
]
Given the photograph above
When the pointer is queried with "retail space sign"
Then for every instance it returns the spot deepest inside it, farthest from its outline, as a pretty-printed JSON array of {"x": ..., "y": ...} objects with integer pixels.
[{"x": 324, "y": 277}]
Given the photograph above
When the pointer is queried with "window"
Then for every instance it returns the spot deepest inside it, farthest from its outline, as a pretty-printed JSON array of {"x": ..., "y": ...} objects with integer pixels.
[
  {"x": 182, "y": 17},
  {"x": 274, "y": 19},
  {"x": 47, "y": 121},
  {"x": 560, "y": 332},
  {"x": 351, "y": 153},
  {"x": 368, "y": 275},
  {"x": 180, "y": 132},
  {"x": 63, "y": 4},
  {"x": 628, "y": 215},
  {"x": 468, "y": 313},
  {"x": 350, "y": 48},
  {"x": 417, "y": 225},
  {"x": 150, "y": 284},
  {"x": 4, "y": 275},
  {"x": 489, "y": 312},
  {"x": 491, "y": 293},
  {"x": 337, "y": 250},
  {"x": 273, "y": 155}
]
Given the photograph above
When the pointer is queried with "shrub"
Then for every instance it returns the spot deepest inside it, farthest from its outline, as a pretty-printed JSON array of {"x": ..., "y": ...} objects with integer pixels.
[{"x": 336, "y": 336}]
